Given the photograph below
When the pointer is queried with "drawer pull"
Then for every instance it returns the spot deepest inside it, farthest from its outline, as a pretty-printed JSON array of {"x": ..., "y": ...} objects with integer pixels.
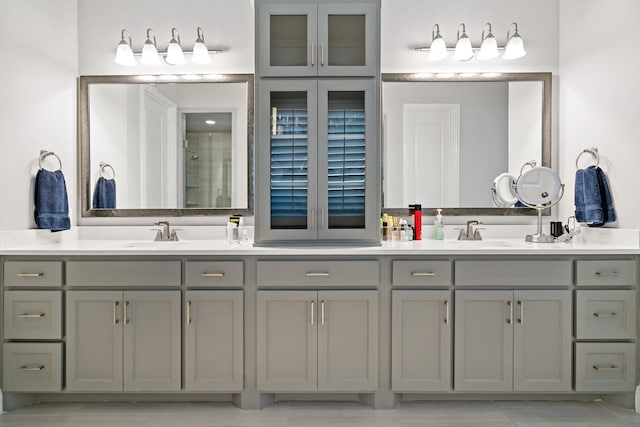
[
  {"x": 423, "y": 274},
  {"x": 510, "y": 319},
  {"x": 212, "y": 274},
  {"x": 606, "y": 368},
  {"x": 188, "y": 312},
  {"x": 606, "y": 273},
  {"x": 33, "y": 368},
  {"x": 605, "y": 315},
  {"x": 30, "y": 274},
  {"x": 317, "y": 274},
  {"x": 322, "y": 312},
  {"x": 31, "y": 316}
]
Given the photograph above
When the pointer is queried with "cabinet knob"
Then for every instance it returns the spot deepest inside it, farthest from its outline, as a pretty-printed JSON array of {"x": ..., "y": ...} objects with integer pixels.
[{"x": 31, "y": 315}]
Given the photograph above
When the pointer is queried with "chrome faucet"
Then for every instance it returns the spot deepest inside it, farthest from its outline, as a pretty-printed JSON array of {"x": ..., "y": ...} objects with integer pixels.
[
  {"x": 471, "y": 233},
  {"x": 165, "y": 234}
]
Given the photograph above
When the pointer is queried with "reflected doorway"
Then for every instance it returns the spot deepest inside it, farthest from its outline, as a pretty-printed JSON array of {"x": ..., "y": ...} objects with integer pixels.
[{"x": 207, "y": 160}]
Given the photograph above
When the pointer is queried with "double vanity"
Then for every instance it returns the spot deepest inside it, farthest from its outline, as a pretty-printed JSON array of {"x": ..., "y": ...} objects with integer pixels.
[{"x": 87, "y": 318}]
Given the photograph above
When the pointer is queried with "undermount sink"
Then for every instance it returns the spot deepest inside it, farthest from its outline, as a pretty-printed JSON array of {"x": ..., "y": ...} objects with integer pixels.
[
  {"x": 150, "y": 245},
  {"x": 487, "y": 243}
]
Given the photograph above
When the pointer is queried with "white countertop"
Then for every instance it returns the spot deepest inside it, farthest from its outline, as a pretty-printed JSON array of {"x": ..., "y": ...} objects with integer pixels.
[{"x": 209, "y": 241}]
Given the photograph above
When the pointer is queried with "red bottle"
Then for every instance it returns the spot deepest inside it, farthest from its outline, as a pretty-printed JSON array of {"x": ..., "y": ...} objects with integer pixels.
[{"x": 416, "y": 211}]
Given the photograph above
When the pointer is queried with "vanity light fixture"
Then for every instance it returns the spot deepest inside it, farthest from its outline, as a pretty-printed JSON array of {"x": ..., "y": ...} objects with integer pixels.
[
  {"x": 464, "y": 50},
  {"x": 489, "y": 46},
  {"x": 124, "y": 54},
  {"x": 150, "y": 54},
  {"x": 174, "y": 55},
  {"x": 174, "y": 50},
  {"x": 515, "y": 45},
  {"x": 210, "y": 122},
  {"x": 438, "y": 48}
]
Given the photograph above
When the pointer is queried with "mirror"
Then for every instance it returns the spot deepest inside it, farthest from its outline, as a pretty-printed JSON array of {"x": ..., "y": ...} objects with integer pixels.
[
  {"x": 539, "y": 188},
  {"x": 447, "y": 136},
  {"x": 178, "y": 145}
]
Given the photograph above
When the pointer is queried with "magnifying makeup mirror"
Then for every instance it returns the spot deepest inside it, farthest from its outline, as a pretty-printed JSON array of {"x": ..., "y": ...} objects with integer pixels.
[
  {"x": 538, "y": 188},
  {"x": 502, "y": 191}
]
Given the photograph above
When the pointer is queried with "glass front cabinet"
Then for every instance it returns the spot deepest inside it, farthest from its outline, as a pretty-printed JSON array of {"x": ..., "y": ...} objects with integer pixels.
[
  {"x": 317, "y": 160},
  {"x": 308, "y": 38}
]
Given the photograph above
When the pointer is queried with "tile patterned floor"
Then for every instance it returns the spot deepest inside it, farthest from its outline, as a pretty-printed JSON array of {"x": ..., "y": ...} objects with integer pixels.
[{"x": 304, "y": 414}]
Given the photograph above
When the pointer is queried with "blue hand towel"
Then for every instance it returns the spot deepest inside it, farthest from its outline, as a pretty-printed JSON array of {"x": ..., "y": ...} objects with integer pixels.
[
  {"x": 605, "y": 195},
  {"x": 52, "y": 205},
  {"x": 594, "y": 205},
  {"x": 104, "y": 195}
]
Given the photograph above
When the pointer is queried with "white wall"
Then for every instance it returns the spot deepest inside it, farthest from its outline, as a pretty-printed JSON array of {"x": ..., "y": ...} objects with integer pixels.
[
  {"x": 599, "y": 97},
  {"x": 407, "y": 24},
  {"x": 227, "y": 25},
  {"x": 37, "y": 101}
]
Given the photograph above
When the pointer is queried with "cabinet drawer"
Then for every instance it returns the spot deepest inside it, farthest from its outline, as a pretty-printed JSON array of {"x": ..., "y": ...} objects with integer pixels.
[
  {"x": 33, "y": 273},
  {"x": 604, "y": 367},
  {"x": 317, "y": 273},
  {"x": 117, "y": 273},
  {"x": 421, "y": 273},
  {"x": 32, "y": 367},
  {"x": 213, "y": 273},
  {"x": 33, "y": 314},
  {"x": 605, "y": 315},
  {"x": 606, "y": 273},
  {"x": 513, "y": 273}
]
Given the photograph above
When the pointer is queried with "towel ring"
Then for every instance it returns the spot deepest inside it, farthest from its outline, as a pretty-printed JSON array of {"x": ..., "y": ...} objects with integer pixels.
[
  {"x": 44, "y": 154},
  {"x": 594, "y": 153},
  {"x": 103, "y": 166}
]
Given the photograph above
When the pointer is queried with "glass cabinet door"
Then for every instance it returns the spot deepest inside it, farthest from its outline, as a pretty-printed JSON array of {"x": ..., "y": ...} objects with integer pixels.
[
  {"x": 347, "y": 190},
  {"x": 347, "y": 39},
  {"x": 287, "y": 44},
  {"x": 286, "y": 169}
]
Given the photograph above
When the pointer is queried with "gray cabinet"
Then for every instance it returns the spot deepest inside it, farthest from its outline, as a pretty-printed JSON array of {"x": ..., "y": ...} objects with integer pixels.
[
  {"x": 512, "y": 340},
  {"x": 316, "y": 39},
  {"x": 317, "y": 161},
  {"x": 213, "y": 341},
  {"x": 421, "y": 341},
  {"x": 123, "y": 340},
  {"x": 317, "y": 341}
]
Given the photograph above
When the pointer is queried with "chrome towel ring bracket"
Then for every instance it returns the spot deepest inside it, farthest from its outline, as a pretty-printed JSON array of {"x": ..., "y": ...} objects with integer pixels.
[
  {"x": 103, "y": 166},
  {"x": 44, "y": 154},
  {"x": 593, "y": 151}
]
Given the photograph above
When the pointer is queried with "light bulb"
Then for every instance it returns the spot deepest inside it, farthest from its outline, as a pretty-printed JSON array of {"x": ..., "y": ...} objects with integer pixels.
[
  {"x": 124, "y": 54},
  {"x": 515, "y": 45},
  {"x": 200, "y": 52},
  {"x": 149, "y": 51},
  {"x": 464, "y": 50},
  {"x": 438, "y": 49},
  {"x": 175, "y": 56}
]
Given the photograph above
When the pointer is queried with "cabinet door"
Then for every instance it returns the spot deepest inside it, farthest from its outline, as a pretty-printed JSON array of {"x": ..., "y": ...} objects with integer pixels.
[
  {"x": 152, "y": 341},
  {"x": 94, "y": 341},
  {"x": 483, "y": 341},
  {"x": 348, "y": 341},
  {"x": 286, "y": 192},
  {"x": 213, "y": 341},
  {"x": 287, "y": 347},
  {"x": 421, "y": 341},
  {"x": 287, "y": 34},
  {"x": 347, "y": 39},
  {"x": 348, "y": 190},
  {"x": 542, "y": 341}
]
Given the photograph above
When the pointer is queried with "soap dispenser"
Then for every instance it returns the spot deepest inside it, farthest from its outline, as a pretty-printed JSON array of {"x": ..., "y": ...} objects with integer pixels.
[
  {"x": 438, "y": 226},
  {"x": 416, "y": 211}
]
